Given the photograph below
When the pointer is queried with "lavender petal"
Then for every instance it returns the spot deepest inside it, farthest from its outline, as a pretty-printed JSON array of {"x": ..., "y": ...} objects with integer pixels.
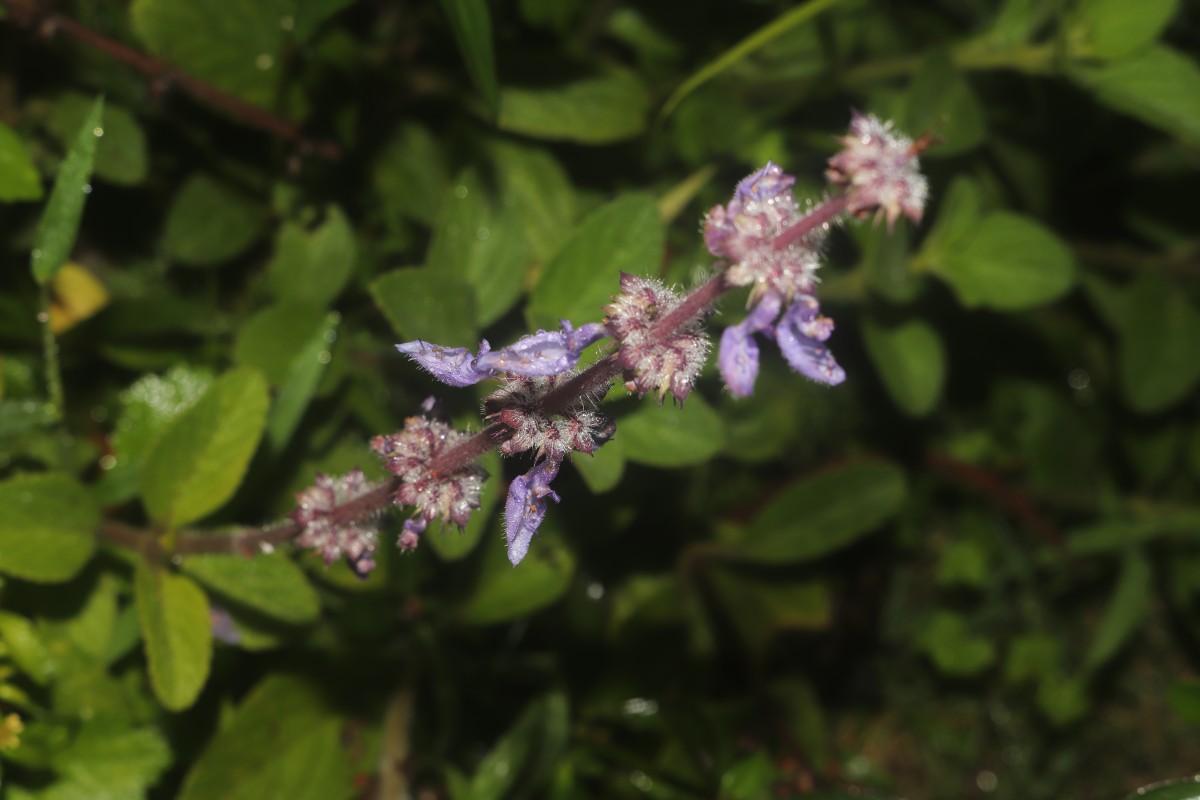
[
  {"x": 800, "y": 334},
  {"x": 455, "y": 366},
  {"x": 526, "y": 507}
]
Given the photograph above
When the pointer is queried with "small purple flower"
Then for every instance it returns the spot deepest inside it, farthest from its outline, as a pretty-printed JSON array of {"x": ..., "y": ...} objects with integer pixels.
[
  {"x": 738, "y": 354},
  {"x": 526, "y": 507},
  {"x": 454, "y": 366},
  {"x": 801, "y": 334},
  {"x": 518, "y": 405},
  {"x": 543, "y": 353},
  {"x": 410, "y": 536},
  {"x": 536, "y": 355}
]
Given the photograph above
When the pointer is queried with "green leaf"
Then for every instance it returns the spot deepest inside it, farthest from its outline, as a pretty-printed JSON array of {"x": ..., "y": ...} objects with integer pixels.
[
  {"x": 300, "y": 384},
  {"x": 963, "y": 563},
  {"x": 282, "y": 743},
  {"x": 48, "y": 527},
  {"x": 478, "y": 238},
  {"x": 312, "y": 266},
  {"x": 606, "y": 108},
  {"x": 237, "y": 45},
  {"x": 271, "y": 584},
  {"x": 471, "y": 23},
  {"x": 1116, "y": 28},
  {"x": 911, "y": 362},
  {"x": 1182, "y": 789},
  {"x": 199, "y": 462},
  {"x": 625, "y": 235},
  {"x": 209, "y": 223},
  {"x": 1158, "y": 86},
  {"x": 19, "y": 179},
  {"x": 939, "y": 98},
  {"x": 121, "y": 156},
  {"x": 410, "y": 175},
  {"x": 427, "y": 303},
  {"x": 505, "y": 592},
  {"x": 59, "y": 224},
  {"x": 1009, "y": 262},
  {"x": 177, "y": 632},
  {"x": 1184, "y": 699},
  {"x": 146, "y": 409},
  {"x": 668, "y": 436},
  {"x": 527, "y": 753},
  {"x": 751, "y": 778},
  {"x": 108, "y": 760},
  {"x": 1156, "y": 361},
  {"x": 272, "y": 339},
  {"x": 825, "y": 513},
  {"x": 736, "y": 54},
  {"x": 959, "y": 215},
  {"x": 1125, "y": 613},
  {"x": 310, "y": 14},
  {"x": 538, "y": 187},
  {"x": 762, "y": 607},
  {"x": 953, "y": 648},
  {"x": 602, "y": 470},
  {"x": 25, "y": 649},
  {"x": 885, "y": 262}
]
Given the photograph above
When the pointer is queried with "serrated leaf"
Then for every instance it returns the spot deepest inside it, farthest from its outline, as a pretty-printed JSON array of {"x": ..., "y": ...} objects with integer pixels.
[
  {"x": 602, "y": 109},
  {"x": 209, "y": 223},
  {"x": 59, "y": 224},
  {"x": 427, "y": 303},
  {"x": 1116, "y": 28},
  {"x": 669, "y": 436},
  {"x": 107, "y": 759},
  {"x": 47, "y": 528},
  {"x": 504, "y": 592},
  {"x": 271, "y": 340},
  {"x": 824, "y": 513},
  {"x": 471, "y": 23},
  {"x": 282, "y": 743},
  {"x": 1008, "y": 262},
  {"x": 959, "y": 214},
  {"x": 602, "y": 470},
  {"x": 237, "y": 45},
  {"x": 625, "y": 235},
  {"x": 1158, "y": 86},
  {"x": 410, "y": 175},
  {"x": 19, "y": 179},
  {"x": 535, "y": 184},
  {"x": 177, "y": 633},
  {"x": 1156, "y": 361},
  {"x": 910, "y": 360},
  {"x": 200, "y": 460},
  {"x": 312, "y": 265},
  {"x": 1125, "y": 613},
  {"x": 269, "y": 584}
]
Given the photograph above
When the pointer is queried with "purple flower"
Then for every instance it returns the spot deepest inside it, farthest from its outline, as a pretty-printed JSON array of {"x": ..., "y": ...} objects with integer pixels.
[
  {"x": 408, "y": 455},
  {"x": 800, "y": 334},
  {"x": 450, "y": 365},
  {"x": 526, "y": 507},
  {"x": 738, "y": 354},
  {"x": 536, "y": 355},
  {"x": 410, "y": 536}
]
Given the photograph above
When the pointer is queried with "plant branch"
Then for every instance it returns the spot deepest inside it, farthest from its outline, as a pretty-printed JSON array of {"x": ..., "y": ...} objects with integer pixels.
[{"x": 31, "y": 14}]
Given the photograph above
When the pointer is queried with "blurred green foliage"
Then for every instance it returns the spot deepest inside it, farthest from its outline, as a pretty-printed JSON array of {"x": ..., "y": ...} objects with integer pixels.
[{"x": 971, "y": 570}]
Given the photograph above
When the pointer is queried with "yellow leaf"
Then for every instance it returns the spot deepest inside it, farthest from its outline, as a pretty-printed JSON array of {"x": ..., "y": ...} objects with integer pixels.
[{"x": 77, "y": 295}]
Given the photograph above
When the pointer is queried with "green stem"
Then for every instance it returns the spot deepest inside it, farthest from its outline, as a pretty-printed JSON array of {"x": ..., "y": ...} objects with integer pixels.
[
  {"x": 54, "y": 383},
  {"x": 1031, "y": 59}
]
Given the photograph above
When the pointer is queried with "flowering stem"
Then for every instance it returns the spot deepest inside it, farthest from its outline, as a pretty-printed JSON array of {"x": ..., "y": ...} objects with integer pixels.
[{"x": 819, "y": 217}]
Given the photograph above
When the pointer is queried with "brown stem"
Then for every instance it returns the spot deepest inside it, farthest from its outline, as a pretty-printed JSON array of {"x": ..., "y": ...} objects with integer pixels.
[
  {"x": 30, "y": 13},
  {"x": 820, "y": 216},
  {"x": 1005, "y": 495}
]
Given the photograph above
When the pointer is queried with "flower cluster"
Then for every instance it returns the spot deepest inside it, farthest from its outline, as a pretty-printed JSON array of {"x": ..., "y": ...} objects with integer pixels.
[
  {"x": 546, "y": 406},
  {"x": 655, "y": 361},
  {"x": 326, "y": 532}
]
